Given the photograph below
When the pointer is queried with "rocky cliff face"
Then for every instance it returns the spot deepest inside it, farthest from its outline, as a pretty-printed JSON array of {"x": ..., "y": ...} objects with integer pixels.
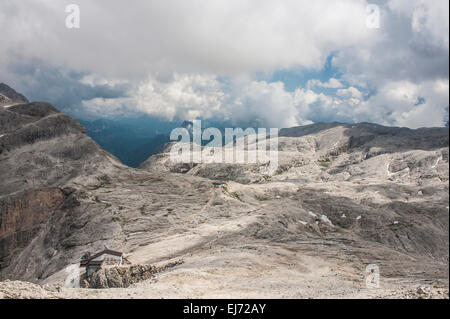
[
  {"x": 21, "y": 217},
  {"x": 42, "y": 151}
]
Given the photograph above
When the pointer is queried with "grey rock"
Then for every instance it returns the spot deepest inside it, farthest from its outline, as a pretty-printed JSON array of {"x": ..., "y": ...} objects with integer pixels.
[
  {"x": 9, "y": 96},
  {"x": 118, "y": 276}
]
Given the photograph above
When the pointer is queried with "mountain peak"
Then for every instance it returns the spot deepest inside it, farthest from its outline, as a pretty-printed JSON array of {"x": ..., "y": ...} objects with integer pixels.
[{"x": 9, "y": 96}]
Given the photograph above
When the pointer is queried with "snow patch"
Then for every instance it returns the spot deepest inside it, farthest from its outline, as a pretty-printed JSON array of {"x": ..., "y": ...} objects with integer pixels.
[
  {"x": 325, "y": 219},
  {"x": 437, "y": 161},
  {"x": 312, "y": 214},
  {"x": 405, "y": 170},
  {"x": 303, "y": 223},
  {"x": 9, "y": 105},
  {"x": 387, "y": 169}
]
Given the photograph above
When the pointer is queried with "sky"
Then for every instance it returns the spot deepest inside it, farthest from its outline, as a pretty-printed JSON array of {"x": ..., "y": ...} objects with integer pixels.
[{"x": 267, "y": 63}]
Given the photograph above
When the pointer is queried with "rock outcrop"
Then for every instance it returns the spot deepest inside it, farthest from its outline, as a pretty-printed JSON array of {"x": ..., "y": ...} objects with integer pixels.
[
  {"x": 42, "y": 147},
  {"x": 118, "y": 276},
  {"x": 9, "y": 96}
]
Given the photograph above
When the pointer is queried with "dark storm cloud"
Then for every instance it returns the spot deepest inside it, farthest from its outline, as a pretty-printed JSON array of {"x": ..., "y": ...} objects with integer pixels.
[{"x": 66, "y": 89}]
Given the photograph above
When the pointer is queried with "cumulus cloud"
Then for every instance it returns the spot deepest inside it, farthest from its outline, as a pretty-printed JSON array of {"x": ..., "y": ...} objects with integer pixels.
[
  {"x": 255, "y": 103},
  {"x": 187, "y": 97},
  {"x": 350, "y": 92},
  {"x": 183, "y": 97},
  {"x": 330, "y": 84},
  {"x": 405, "y": 103},
  {"x": 242, "y": 102},
  {"x": 226, "y": 37},
  {"x": 201, "y": 59}
]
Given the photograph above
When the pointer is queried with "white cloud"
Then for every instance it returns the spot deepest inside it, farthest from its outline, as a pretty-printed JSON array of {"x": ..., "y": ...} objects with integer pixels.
[
  {"x": 187, "y": 97},
  {"x": 404, "y": 103},
  {"x": 412, "y": 44},
  {"x": 429, "y": 19},
  {"x": 330, "y": 84},
  {"x": 350, "y": 92},
  {"x": 104, "y": 107},
  {"x": 262, "y": 103},
  {"x": 184, "y": 97},
  {"x": 151, "y": 36},
  {"x": 242, "y": 101},
  {"x": 248, "y": 102},
  {"x": 188, "y": 59}
]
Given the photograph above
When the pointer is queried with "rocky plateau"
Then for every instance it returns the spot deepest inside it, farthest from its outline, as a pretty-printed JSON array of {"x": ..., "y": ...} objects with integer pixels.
[{"x": 344, "y": 196}]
